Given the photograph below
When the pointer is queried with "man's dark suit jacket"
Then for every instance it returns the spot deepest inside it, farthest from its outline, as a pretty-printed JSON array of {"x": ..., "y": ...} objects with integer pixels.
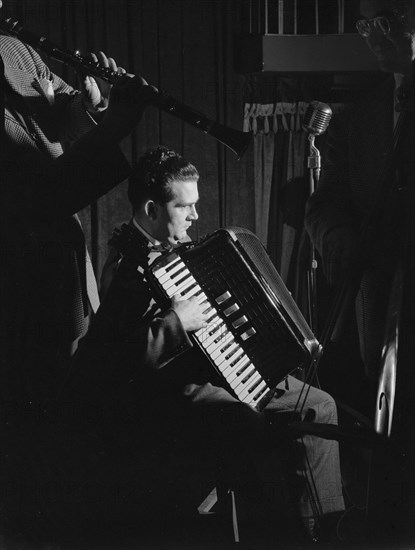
[
  {"x": 140, "y": 355},
  {"x": 42, "y": 244}
]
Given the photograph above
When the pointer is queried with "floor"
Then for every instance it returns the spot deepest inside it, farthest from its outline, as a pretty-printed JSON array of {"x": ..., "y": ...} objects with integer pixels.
[
  {"x": 214, "y": 531},
  {"x": 260, "y": 528}
]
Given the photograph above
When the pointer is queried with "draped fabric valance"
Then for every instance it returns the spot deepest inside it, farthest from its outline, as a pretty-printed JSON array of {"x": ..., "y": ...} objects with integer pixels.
[{"x": 279, "y": 116}]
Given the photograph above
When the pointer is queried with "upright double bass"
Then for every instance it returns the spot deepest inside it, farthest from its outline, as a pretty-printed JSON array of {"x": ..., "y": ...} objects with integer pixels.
[
  {"x": 391, "y": 506},
  {"x": 390, "y": 497}
]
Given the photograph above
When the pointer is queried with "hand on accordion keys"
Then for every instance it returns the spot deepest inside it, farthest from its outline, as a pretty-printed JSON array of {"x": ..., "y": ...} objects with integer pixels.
[{"x": 190, "y": 313}]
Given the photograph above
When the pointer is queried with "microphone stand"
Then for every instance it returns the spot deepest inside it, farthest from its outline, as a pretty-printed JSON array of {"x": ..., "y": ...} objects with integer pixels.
[{"x": 314, "y": 166}]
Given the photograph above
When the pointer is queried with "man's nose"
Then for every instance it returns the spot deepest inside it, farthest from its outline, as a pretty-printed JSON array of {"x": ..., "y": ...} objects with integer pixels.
[{"x": 193, "y": 215}]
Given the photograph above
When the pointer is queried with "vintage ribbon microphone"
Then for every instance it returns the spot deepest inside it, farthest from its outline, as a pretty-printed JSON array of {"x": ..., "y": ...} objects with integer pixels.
[
  {"x": 235, "y": 140},
  {"x": 316, "y": 121}
]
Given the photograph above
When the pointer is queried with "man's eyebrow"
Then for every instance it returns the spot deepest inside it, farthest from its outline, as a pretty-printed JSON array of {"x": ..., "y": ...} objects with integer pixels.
[{"x": 188, "y": 203}]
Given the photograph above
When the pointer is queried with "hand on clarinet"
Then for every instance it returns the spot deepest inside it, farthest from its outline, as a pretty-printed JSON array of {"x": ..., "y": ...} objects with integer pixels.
[
  {"x": 123, "y": 102},
  {"x": 95, "y": 90},
  {"x": 190, "y": 313}
]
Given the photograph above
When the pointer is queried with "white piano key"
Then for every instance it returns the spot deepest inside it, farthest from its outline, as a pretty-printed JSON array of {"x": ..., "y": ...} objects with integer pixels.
[
  {"x": 211, "y": 313},
  {"x": 231, "y": 371},
  {"x": 209, "y": 324},
  {"x": 237, "y": 359},
  {"x": 259, "y": 392},
  {"x": 260, "y": 389},
  {"x": 243, "y": 371},
  {"x": 223, "y": 363},
  {"x": 190, "y": 291},
  {"x": 232, "y": 352},
  {"x": 214, "y": 323},
  {"x": 252, "y": 388},
  {"x": 163, "y": 275},
  {"x": 244, "y": 395},
  {"x": 226, "y": 345},
  {"x": 178, "y": 282},
  {"x": 211, "y": 334},
  {"x": 169, "y": 285},
  {"x": 237, "y": 370},
  {"x": 199, "y": 333},
  {"x": 177, "y": 289},
  {"x": 178, "y": 273},
  {"x": 168, "y": 269},
  {"x": 216, "y": 328},
  {"x": 235, "y": 382},
  {"x": 214, "y": 350},
  {"x": 242, "y": 390},
  {"x": 202, "y": 298},
  {"x": 185, "y": 277},
  {"x": 260, "y": 384},
  {"x": 237, "y": 375}
]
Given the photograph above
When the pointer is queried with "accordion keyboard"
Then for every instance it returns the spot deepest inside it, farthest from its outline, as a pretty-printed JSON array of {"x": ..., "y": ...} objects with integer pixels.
[{"x": 216, "y": 339}]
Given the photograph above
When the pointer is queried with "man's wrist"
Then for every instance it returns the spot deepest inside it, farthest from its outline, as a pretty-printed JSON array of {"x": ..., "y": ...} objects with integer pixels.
[{"x": 94, "y": 110}]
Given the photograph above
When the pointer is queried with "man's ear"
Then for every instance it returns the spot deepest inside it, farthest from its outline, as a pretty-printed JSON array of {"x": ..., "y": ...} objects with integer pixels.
[{"x": 151, "y": 209}]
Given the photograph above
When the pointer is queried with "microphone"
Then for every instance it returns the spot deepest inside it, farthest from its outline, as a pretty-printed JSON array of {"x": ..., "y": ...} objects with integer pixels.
[
  {"x": 316, "y": 121},
  {"x": 317, "y": 118}
]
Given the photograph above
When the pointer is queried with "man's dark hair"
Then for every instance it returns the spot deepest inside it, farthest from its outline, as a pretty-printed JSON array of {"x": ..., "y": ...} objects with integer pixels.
[{"x": 154, "y": 174}]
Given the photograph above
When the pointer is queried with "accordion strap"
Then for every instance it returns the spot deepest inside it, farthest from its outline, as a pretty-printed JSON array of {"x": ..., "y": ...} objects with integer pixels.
[{"x": 130, "y": 244}]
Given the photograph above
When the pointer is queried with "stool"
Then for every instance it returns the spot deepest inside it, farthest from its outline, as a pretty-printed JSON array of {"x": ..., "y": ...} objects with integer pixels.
[{"x": 206, "y": 506}]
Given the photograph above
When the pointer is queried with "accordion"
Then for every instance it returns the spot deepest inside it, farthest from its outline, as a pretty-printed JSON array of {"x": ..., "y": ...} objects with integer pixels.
[{"x": 255, "y": 334}]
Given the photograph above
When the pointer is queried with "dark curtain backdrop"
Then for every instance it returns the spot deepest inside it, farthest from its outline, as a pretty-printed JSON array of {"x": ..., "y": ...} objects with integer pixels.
[
  {"x": 282, "y": 186},
  {"x": 184, "y": 47}
]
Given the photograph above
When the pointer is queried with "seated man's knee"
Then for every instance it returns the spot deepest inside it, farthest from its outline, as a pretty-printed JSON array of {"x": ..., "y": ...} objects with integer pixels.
[{"x": 324, "y": 409}]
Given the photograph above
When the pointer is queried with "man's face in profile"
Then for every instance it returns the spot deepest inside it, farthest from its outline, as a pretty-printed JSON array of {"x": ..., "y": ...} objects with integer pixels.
[
  {"x": 392, "y": 43},
  {"x": 174, "y": 218}
]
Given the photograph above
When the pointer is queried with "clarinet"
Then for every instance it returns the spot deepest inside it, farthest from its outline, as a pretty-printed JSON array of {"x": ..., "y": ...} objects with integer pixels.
[{"x": 235, "y": 140}]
